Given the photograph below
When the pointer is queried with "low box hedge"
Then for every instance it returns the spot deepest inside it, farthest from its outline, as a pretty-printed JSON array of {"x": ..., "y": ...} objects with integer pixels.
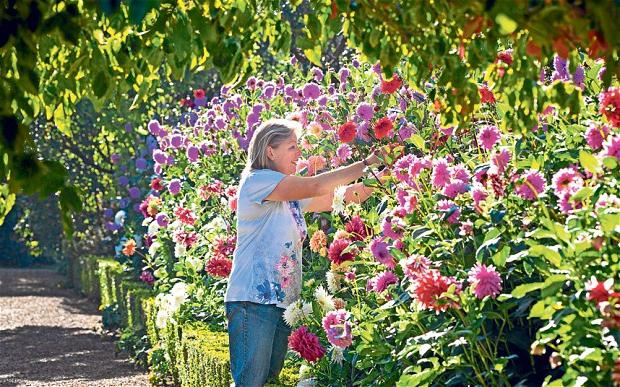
[{"x": 194, "y": 354}]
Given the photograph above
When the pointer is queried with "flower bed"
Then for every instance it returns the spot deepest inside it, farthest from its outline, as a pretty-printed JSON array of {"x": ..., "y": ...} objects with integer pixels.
[{"x": 487, "y": 253}]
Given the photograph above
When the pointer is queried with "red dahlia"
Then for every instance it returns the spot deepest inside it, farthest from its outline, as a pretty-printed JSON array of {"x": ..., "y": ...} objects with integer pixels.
[
  {"x": 347, "y": 131},
  {"x": 156, "y": 184},
  {"x": 610, "y": 105},
  {"x": 486, "y": 95},
  {"x": 429, "y": 290},
  {"x": 356, "y": 228},
  {"x": 336, "y": 252},
  {"x": 306, "y": 344},
  {"x": 199, "y": 93},
  {"x": 219, "y": 267},
  {"x": 382, "y": 127},
  {"x": 389, "y": 87}
]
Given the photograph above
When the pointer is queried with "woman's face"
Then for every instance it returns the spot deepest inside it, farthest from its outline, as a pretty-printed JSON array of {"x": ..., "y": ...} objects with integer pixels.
[{"x": 284, "y": 156}]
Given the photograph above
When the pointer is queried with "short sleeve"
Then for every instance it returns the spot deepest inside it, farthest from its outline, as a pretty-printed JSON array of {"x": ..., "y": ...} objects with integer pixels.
[
  {"x": 260, "y": 183},
  {"x": 304, "y": 203}
]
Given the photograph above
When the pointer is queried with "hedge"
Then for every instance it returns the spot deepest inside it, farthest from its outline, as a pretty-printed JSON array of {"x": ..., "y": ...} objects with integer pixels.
[{"x": 191, "y": 354}]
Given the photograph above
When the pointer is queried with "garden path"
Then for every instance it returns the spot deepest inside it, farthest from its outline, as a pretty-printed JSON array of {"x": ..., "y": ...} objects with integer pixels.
[{"x": 49, "y": 336}]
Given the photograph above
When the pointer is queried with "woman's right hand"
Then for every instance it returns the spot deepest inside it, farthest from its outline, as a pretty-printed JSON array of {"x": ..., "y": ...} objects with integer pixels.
[{"x": 372, "y": 159}]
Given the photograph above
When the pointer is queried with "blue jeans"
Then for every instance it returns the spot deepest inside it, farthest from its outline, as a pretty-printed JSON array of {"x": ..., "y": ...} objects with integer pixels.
[{"x": 258, "y": 341}]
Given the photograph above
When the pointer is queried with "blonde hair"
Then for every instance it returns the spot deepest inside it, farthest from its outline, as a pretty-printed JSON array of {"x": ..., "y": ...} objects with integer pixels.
[{"x": 270, "y": 133}]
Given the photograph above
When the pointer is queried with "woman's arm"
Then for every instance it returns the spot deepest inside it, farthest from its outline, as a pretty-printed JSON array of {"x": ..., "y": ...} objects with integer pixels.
[{"x": 297, "y": 187}]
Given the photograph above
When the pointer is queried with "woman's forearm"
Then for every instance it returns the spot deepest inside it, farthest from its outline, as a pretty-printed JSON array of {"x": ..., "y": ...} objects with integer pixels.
[
  {"x": 357, "y": 193},
  {"x": 328, "y": 181}
]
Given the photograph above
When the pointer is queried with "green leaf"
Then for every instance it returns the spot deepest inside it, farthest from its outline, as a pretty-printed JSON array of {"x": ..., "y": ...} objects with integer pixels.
[
  {"x": 524, "y": 289},
  {"x": 100, "y": 84},
  {"x": 499, "y": 259},
  {"x": 609, "y": 221},
  {"x": 314, "y": 55},
  {"x": 419, "y": 378},
  {"x": 418, "y": 141},
  {"x": 551, "y": 255},
  {"x": 589, "y": 162}
]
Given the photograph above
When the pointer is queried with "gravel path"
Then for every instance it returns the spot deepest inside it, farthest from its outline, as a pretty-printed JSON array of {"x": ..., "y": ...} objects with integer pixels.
[{"x": 48, "y": 336}]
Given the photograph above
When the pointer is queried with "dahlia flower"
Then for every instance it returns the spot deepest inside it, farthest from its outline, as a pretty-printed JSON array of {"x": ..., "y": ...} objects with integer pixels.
[
  {"x": 429, "y": 289},
  {"x": 532, "y": 184},
  {"x": 338, "y": 328},
  {"x": 306, "y": 344},
  {"x": 415, "y": 265},
  {"x": 380, "y": 251},
  {"x": 219, "y": 267},
  {"x": 485, "y": 281},
  {"x": 488, "y": 136}
]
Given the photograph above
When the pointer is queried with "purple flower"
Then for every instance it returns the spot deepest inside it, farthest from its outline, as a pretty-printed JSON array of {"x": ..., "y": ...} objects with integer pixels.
[
  {"x": 157, "y": 169},
  {"x": 560, "y": 65},
  {"x": 147, "y": 277},
  {"x": 108, "y": 212},
  {"x": 322, "y": 101},
  {"x": 111, "y": 226},
  {"x": 134, "y": 192},
  {"x": 355, "y": 63},
  {"x": 579, "y": 76},
  {"x": 160, "y": 157},
  {"x": 176, "y": 140},
  {"x": 161, "y": 219},
  {"x": 174, "y": 186},
  {"x": 252, "y": 119},
  {"x": 123, "y": 203},
  {"x": 154, "y": 127},
  {"x": 141, "y": 164},
  {"x": 251, "y": 83},
  {"x": 344, "y": 152},
  {"x": 379, "y": 250},
  {"x": 343, "y": 74},
  {"x": 115, "y": 158},
  {"x": 123, "y": 181},
  {"x": 318, "y": 74},
  {"x": 311, "y": 91},
  {"x": 128, "y": 127},
  {"x": 365, "y": 111},
  {"x": 220, "y": 123},
  {"x": 269, "y": 90},
  {"x": 192, "y": 153}
]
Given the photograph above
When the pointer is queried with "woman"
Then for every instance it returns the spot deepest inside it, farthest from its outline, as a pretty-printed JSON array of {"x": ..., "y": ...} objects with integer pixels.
[{"x": 266, "y": 272}]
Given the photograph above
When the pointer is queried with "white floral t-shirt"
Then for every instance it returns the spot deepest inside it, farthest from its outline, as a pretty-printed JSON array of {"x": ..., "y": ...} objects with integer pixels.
[{"x": 267, "y": 261}]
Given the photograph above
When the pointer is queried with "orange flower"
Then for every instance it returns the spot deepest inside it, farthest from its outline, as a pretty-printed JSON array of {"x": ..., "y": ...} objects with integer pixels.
[
  {"x": 383, "y": 127},
  {"x": 129, "y": 248},
  {"x": 318, "y": 241}
]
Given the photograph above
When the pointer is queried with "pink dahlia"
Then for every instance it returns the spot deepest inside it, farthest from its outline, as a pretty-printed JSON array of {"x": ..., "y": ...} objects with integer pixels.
[
  {"x": 452, "y": 211},
  {"x": 224, "y": 246},
  {"x": 532, "y": 183},
  {"x": 485, "y": 281},
  {"x": 185, "y": 215},
  {"x": 315, "y": 164},
  {"x": 596, "y": 134},
  {"x": 357, "y": 229},
  {"x": 219, "y": 267},
  {"x": 479, "y": 194},
  {"x": 429, "y": 289},
  {"x": 186, "y": 238},
  {"x": 488, "y": 136},
  {"x": 609, "y": 102},
  {"x": 566, "y": 204},
  {"x": 336, "y": 252},
  {"x": 401, "y": 167},
  {"x": 338, "y": 328},
  {"x": 418, "y": 165},
  {"x": 381, "y": 281},
  {"x": 611, "y": 147},
  {"x": 393, "y": 228},
  {"x": 455, "y": 188},
  {"x": 460, "y": 172},
  {"x": 415, "y": 265},
  {"x": 306, "y": 344},
  {"x": 566, "y": 180},
  {"x": 441, "y": 173},
  {"x": 379, "y": 250},
  {"x": 499, "y": 162}
]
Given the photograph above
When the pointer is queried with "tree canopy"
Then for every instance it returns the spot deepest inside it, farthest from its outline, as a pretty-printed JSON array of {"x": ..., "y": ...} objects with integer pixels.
[{"x": 53, "y": 55}]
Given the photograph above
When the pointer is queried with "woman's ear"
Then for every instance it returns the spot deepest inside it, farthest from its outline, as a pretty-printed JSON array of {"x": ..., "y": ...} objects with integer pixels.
[{"x": 270, "y": 154}]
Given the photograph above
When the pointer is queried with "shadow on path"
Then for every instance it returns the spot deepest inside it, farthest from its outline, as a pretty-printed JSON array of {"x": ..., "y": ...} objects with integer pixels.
[{"x": 51, "y": 354}]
